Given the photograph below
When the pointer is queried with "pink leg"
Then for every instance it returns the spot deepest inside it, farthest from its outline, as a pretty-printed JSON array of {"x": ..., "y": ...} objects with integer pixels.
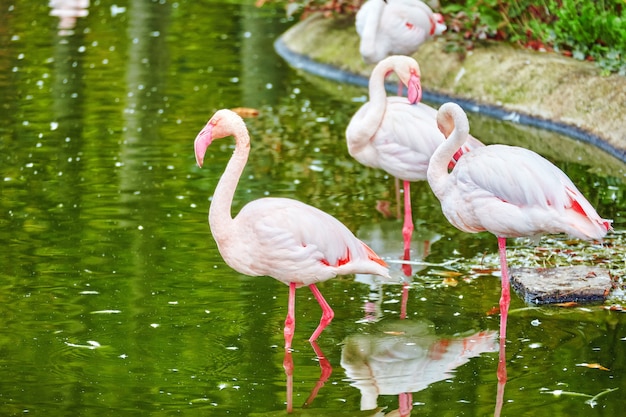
[
  {"x": 400, "y": 89},
  {"x": 407, "y": 269},
  {"x": 288, "y": 366},
  {"x": 326, "y": 371},
  {"x": 405, "y": 403},
  {"x": 502, "y": 377},
  {"x": 290, "y": 321},
  {"x": 327, "y": 313},
  {"x": 405, "y": 299},
  {"x": 407, "y": 228},
  {"x": 505, "y": 298}
]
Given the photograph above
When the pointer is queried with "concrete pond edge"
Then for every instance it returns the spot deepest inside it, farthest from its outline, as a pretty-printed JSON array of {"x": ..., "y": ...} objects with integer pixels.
[{"x": 288, "y": 47}]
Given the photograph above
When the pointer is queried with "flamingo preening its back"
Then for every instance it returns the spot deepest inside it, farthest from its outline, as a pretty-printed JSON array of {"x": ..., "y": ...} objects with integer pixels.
[
  {"x": 395, "y": 27},
  {"x": 508, "y": 191}
]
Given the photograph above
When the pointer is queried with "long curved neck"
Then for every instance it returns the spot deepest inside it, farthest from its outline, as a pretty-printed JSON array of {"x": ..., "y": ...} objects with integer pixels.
[
  {"x": 376, "y": 106},
  {"x": 220, "y": 217},
  {"x": 376, "y": 84},
  {"x": 455, "y": 121}
]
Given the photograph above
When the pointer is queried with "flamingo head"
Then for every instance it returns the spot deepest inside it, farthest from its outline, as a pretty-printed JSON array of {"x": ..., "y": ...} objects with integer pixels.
[
  {"x": 451, "y": 117},
  {"x": 223, "y": 123},
  {"x": 445, "y": 123},
  {"x": 408, "y": 72}
]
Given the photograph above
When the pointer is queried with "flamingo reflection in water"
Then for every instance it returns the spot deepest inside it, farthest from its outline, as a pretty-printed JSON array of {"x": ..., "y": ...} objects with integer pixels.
[
  {"x": 403, "y": 357},
  {"x": 382, "y": 239},
  {"x": 68, "y": 11},
  {"x": 325, "y": 373}
]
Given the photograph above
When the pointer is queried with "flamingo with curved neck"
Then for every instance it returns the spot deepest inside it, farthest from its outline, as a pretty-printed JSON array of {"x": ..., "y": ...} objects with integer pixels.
[
  {"x": 285, "y": 239},
  {"x": 508, "y": 191},
  {"x": 395, "y": 134}
]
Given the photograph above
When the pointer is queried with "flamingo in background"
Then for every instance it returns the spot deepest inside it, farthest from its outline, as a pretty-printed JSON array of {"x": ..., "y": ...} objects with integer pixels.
[
  {"x": 508, "y": 191},
  {"x": 285, "y": 239},
  {"x": 396, "y": 135},
  {"x": 395, "y": 27}
]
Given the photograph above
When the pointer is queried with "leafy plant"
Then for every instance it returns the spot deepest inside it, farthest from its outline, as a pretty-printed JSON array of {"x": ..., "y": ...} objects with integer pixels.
[
  {"x": 594, "y": 31},
  {"x": 590, "y": 30}
]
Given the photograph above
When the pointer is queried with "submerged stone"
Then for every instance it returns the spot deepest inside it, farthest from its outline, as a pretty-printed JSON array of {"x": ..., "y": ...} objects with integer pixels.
[{"x": 561, "y": 284}]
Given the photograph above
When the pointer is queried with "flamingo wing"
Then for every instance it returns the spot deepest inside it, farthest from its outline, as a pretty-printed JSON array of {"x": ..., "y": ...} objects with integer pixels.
[
  {"x": 405, "y": 141},
  {"x": 517, "y": 176},
  {"x": 295, "y": 242},
  {"x": 393, "y": 27},
  {"x": 401, "y": 144},
  {"x": 408, "y": 27},
  {"x": 530, "y": 194}
]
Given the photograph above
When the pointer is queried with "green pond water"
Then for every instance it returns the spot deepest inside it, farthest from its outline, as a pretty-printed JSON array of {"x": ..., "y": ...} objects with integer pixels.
[{"x": 115, "y": 300}]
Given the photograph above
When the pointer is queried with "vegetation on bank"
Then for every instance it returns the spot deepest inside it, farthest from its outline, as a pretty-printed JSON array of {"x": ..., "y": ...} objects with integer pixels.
[{"x": 582, "y": 29}]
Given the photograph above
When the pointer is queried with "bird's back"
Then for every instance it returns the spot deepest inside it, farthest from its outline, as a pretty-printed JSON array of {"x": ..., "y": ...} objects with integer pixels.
[
  {"x": 402, "y": 143},
  {"x": 402, "y": 27},
  {"x": 512, "y": 192},
  {"x": 294, "y": 242}
]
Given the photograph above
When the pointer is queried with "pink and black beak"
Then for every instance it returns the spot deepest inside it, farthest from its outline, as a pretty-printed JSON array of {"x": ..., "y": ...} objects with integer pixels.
[
  {"x": 414, "y": 89},
  {"x": 202, "y": 142}
]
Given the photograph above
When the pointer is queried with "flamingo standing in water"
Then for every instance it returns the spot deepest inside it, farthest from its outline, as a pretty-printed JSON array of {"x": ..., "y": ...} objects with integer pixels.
[
  {"x": 285, "y": 239},
  {"x": 395, "y": 27},
  {"x": 508, "y": 191},
  {"x": 395, "y": 134}
]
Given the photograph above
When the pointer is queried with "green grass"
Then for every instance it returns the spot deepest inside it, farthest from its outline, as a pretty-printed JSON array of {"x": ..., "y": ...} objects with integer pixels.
[{"x": 584, "y": 30}]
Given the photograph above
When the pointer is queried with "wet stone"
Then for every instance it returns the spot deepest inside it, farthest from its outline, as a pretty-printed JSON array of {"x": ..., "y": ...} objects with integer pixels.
[{"x": 561, "y": 284}]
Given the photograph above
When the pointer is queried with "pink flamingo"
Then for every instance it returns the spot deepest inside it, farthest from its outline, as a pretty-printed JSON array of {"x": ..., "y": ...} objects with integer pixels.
[
  {"x": 395, "y": 27},
  {"x": 282, "y": 238},
  {"x": 508, "y": 191},
  {"x": 394, "y": 134}
]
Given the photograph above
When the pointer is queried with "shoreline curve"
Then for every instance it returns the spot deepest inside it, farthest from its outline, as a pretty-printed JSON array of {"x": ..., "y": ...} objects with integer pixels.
[{"x": 348, "y": 75}]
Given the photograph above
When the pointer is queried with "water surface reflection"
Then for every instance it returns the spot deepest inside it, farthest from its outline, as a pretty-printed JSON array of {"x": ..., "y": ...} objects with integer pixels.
[
  {"x": 404, "y": 357},
  {"x": 114, "y": 296}
]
